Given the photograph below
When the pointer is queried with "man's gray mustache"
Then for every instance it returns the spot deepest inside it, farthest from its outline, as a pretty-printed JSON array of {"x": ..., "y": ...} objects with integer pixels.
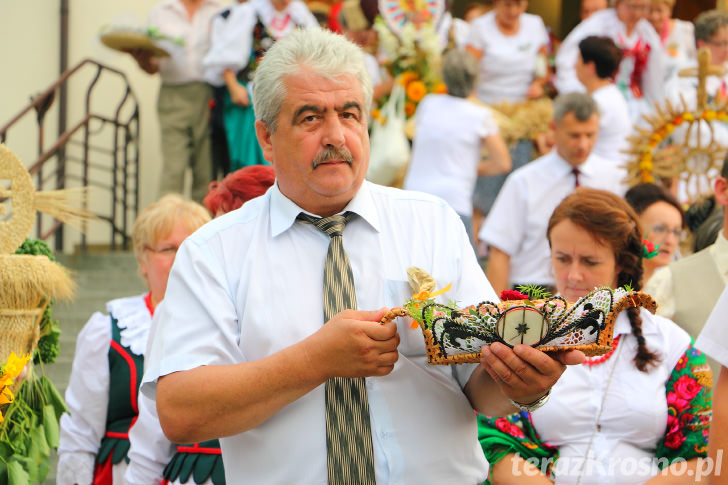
[{"x": 331, "y": 153}]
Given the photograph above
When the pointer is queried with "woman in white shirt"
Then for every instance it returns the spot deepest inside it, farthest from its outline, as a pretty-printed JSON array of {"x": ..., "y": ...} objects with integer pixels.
[
  {"x": 451, "y": 133},
  {"x": 638, "y": 414},
  {"x": 676, "y": 36},
  {"x": 102, "y": 393},
  {"x": 510, "y": 46}
]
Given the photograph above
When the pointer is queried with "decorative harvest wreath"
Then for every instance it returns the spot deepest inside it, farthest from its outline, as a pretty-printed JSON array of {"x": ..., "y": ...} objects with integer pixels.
[
  {"x": 695, "y": 159},
  {"x": 456, "y": 335}
]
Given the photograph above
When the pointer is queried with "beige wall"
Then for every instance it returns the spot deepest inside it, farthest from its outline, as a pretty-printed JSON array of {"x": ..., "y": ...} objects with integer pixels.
[{"x": 29, "y": 49}]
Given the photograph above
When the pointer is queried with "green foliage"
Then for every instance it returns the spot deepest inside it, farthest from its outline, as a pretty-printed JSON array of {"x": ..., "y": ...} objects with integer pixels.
[
  {"x": 30, "y": 431},
  {"x": 48, "y": 346},
  {"x": 628, "y": 287},
  {"x": 534, "y": 292}
]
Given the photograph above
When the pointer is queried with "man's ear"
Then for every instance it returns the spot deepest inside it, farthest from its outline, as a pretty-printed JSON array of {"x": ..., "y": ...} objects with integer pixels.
[
  {"x": 264, "y": 138},
  {"x": 592, "y": 66},
  {"x": 721, "y": 191}
]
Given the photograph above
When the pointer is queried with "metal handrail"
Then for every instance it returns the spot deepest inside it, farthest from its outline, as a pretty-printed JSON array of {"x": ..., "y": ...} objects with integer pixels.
[{"x": 122, "y": 166}]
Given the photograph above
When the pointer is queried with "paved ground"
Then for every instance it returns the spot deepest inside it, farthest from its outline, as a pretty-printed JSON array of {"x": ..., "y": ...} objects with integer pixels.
[{"x": 100, "y": 278}]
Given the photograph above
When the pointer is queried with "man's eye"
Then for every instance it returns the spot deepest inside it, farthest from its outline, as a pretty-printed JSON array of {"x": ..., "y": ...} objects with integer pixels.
[{"x": 349, "y": 116}]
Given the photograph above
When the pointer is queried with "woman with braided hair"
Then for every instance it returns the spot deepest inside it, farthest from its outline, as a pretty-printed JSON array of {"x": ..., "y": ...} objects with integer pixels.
[{"x": 623, "y": 417}]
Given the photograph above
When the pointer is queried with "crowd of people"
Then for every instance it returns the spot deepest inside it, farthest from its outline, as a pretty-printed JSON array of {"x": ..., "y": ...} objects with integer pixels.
[{"x": 259, "y": 341}]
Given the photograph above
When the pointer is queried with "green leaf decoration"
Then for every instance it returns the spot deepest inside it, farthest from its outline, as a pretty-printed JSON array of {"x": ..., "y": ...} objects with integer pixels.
[{"x": 534, "y": 292}]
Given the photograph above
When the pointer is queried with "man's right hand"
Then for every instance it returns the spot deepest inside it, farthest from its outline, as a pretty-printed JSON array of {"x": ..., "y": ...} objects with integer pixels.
[
  {"x": 354, "y": 344},
  {"x": 147, "y": 62}
]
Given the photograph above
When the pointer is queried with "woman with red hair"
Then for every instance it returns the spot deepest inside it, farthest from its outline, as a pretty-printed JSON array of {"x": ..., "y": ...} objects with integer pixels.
[{"x": 237, "y": 188}]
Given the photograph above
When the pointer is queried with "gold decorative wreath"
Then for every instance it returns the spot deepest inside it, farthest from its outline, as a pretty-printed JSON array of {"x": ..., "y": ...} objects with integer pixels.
[{"x": 690, "y": 161}]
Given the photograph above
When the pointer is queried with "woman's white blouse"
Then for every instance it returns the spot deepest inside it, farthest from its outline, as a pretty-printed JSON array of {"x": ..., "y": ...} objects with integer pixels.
[
  {"x": 619, "y": 409},
  {"x": 508, "y": 64}
]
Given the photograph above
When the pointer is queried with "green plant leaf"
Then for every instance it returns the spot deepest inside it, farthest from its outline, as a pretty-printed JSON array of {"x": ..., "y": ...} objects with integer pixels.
[
  {"x": 53, "y": 397},
  {"x": 6, "y": 450},
  {"x": 43, "y": 469},
  {"x": 17, "y": 474},
  {"x": 3, "y": 473},
  {"x": 50, "y": 425}
]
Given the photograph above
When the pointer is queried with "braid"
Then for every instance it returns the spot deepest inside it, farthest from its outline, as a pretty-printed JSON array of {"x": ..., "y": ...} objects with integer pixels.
[
  {"x": 645, "y": 358},
  {"x": 631, "y": 259}
]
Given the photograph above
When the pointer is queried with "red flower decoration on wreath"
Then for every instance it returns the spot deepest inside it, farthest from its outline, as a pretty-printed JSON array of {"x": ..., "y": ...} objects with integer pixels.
[{"x": 512, "y": 295}]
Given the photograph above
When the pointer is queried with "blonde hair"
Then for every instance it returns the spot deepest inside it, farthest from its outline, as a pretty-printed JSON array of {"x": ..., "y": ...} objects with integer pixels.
[{"x": 157, "y": 220}]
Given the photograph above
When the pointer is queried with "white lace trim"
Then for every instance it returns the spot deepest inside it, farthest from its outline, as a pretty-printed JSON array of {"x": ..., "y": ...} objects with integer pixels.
[{"x": 134, "y": 321}]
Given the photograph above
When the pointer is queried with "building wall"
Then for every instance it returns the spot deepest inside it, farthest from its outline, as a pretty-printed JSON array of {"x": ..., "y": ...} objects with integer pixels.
[{"x": 29, "y": 49}]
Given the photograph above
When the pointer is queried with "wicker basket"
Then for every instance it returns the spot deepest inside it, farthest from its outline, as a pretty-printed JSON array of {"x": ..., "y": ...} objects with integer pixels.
[
  {"x": 19, "y": 331},
  {"x": 455, "y": 336}
]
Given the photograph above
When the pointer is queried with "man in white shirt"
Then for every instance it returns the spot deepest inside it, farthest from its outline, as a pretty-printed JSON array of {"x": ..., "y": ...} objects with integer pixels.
[
  {"x": 515, "y": 228},
  {"x": 184, "y": 95},
  {"x": 596, "y": 65},
  {"x": 241, "y": 349}
]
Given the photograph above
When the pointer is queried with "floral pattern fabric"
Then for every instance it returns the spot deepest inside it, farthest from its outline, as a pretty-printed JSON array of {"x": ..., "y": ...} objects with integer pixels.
[{"x": 688, "y": 392}]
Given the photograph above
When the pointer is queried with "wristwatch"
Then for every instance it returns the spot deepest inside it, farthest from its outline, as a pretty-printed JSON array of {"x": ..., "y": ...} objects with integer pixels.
[{"x": 532, "y": 406}]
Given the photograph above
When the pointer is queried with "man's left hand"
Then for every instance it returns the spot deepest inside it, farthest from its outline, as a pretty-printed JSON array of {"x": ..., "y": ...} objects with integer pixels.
[{"x": 523, "y": 373}]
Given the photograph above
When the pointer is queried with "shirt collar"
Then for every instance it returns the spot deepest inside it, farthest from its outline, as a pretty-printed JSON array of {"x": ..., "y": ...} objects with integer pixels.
[
  {"x": 564, "y": 168},
  {"x": 283, "y": 211}
]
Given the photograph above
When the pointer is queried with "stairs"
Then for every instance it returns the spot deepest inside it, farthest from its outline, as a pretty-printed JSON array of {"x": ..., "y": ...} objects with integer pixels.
[{"x": 100, "y": 278}]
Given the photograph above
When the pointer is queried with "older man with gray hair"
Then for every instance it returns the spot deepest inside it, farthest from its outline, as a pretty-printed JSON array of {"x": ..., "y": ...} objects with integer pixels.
[
  {"x": 515, "y": 228},
  {"x": 269, "y": 335}
]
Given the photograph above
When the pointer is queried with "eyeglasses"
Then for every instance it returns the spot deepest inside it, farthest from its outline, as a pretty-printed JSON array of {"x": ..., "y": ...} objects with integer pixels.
[
  {"x": 168, "y": 251},
  {"x": 662, "y": 231}
]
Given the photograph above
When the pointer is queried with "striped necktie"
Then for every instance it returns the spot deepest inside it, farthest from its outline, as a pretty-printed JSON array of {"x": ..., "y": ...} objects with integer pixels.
[{"x": 349, "y": 451}]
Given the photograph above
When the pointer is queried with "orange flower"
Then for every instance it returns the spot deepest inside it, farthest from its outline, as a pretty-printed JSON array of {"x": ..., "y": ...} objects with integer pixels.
[
  {"x": 440, "y": 88},
  {"x": 375, "y": 113},
  {"x": 407, "y": 77},
  {"x": 409, "y": 108},
  {"x": 416, "y": 90}
]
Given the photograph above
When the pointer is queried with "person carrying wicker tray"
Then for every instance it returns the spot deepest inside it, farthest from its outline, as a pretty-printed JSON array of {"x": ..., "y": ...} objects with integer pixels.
[{"x": 271, "y": 317}]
